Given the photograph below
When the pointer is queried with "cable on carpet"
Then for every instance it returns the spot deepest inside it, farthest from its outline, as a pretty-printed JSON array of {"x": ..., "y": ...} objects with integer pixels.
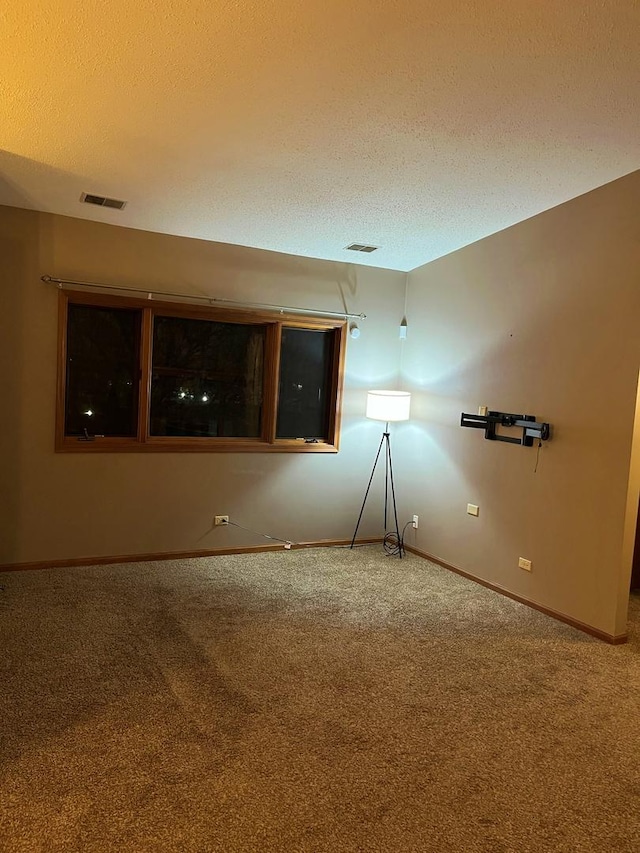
[
  {"x": 287, "y": 544},
  {"x": 391, "y": 544}
]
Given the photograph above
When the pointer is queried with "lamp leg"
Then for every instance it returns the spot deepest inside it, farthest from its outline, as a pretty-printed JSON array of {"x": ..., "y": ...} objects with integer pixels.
[
  {"x": 366, "y": 494},
  {"x": 393, "y": 496},
  {"x": 386, "y": 476}
]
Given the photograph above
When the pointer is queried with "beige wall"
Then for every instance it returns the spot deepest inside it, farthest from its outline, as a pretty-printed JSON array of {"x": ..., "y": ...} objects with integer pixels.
[
  {"x": 541, "y": 318},
  {"x": 73, "y": 505}
]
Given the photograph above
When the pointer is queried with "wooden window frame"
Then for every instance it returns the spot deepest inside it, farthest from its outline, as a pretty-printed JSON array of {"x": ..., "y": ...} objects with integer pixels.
[{"x": 143, "y": 442}]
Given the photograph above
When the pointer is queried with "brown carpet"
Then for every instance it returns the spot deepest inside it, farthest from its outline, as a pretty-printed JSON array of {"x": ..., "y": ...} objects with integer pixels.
[{"x": 322, "y": 700}]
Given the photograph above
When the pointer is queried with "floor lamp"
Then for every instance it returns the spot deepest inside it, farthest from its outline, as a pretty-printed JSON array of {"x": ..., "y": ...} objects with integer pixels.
[{"x": 385, "y": 406}]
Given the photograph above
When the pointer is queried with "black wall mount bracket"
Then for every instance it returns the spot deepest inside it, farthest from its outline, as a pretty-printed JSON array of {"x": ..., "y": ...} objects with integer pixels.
[{"x": 531, "y": 429}]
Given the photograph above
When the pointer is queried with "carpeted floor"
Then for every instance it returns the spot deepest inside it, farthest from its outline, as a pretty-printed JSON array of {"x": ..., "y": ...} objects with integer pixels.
[{"x": 321, "y": 700}]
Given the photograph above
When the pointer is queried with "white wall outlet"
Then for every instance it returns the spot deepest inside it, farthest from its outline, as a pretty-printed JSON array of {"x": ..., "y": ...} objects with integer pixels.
[
  {"x": 220, "y": 519},
  {"x": 473, "y": 509},
  {"x": 415, "y": 522},
  {"x": 524, "y": 564}
]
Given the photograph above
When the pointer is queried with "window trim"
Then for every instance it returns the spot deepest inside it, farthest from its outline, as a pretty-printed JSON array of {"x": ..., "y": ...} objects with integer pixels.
[{"x": 143, "y": 442}]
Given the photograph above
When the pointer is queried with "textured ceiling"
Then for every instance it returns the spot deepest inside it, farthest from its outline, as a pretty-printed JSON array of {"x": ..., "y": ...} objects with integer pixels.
[{"x": 303, "y": 125}]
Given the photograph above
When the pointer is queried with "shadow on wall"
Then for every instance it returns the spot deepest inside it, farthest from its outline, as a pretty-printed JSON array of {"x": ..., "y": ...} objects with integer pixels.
[
  {"x": 17, "y": 250},
  {"x": 17, "y": 172},
  {"x": 10, "y": 194},
  {"x": 22, "y": 245}
]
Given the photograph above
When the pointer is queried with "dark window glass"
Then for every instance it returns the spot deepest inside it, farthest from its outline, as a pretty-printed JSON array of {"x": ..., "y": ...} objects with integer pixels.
[
  {"x": 207, "y": 378},
  {"x": 102, "y": 371},
  {"x": 306, "y": 358}
]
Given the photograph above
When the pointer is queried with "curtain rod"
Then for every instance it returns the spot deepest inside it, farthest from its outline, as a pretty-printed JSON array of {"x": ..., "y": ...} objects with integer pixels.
[{"x": 211, "y": 300}]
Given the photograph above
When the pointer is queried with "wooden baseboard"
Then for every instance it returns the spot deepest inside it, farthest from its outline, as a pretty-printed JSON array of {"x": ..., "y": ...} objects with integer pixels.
[
  {"x": 337, "y": 543},
  {"x": 175, "y": 555},
  {"x": 613, "y": 639}
]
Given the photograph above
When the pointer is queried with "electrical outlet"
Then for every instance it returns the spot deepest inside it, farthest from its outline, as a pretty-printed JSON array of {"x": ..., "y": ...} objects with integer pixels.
[
  {"x": 220, "y": 519},
  {"x": 415, "y": 522},
  {"x": 524, "y": 564},
  {"x": 473, "y": 509}
]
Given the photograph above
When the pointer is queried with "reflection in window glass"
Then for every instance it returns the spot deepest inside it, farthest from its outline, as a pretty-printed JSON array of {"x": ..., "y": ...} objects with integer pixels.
[
  {"x": 207, "y": 378},
  {"x": 102, "y": 371},
  {"x": 305, "y": 382}
]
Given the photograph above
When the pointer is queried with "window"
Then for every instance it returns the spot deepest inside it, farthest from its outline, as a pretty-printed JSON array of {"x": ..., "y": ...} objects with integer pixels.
[
  {"x": 206, "y": 378},
  {"x": 102, "y": 371},
  {"x": 305, "y": 383},
  {"x": 141, "y": 377}
]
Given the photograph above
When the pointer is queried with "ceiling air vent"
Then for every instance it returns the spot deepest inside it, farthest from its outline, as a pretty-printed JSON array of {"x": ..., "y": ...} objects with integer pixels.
[
  {"x": 361, "y": 247},
  {"x": 102, "y": 201}
]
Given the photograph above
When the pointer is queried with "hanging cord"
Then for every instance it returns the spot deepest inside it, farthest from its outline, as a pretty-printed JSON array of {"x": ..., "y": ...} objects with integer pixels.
[
  {"x": 391, "y": 544},
  {"x": 535, "y": 470},
  {"x": 285, "y": 542}
]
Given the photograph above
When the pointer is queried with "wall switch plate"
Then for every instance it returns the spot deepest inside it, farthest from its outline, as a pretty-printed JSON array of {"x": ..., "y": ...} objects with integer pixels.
[
  {"x": 414, "y": 522},
  {"x": 220, "y": 519},
  {"x": 473, "y": 509},
  {"x": 483, "y": 410},
  {"x": 524, "y": 564}
]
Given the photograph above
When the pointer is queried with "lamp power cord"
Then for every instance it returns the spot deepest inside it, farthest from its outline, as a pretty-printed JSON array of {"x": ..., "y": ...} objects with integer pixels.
[
  {"x": 286, "y": 542},
  {"x": 391, "y": 544}
]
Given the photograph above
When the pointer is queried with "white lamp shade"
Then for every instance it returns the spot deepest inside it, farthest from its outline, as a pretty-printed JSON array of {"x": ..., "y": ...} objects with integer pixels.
[{"x": 388, "y": 405}]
